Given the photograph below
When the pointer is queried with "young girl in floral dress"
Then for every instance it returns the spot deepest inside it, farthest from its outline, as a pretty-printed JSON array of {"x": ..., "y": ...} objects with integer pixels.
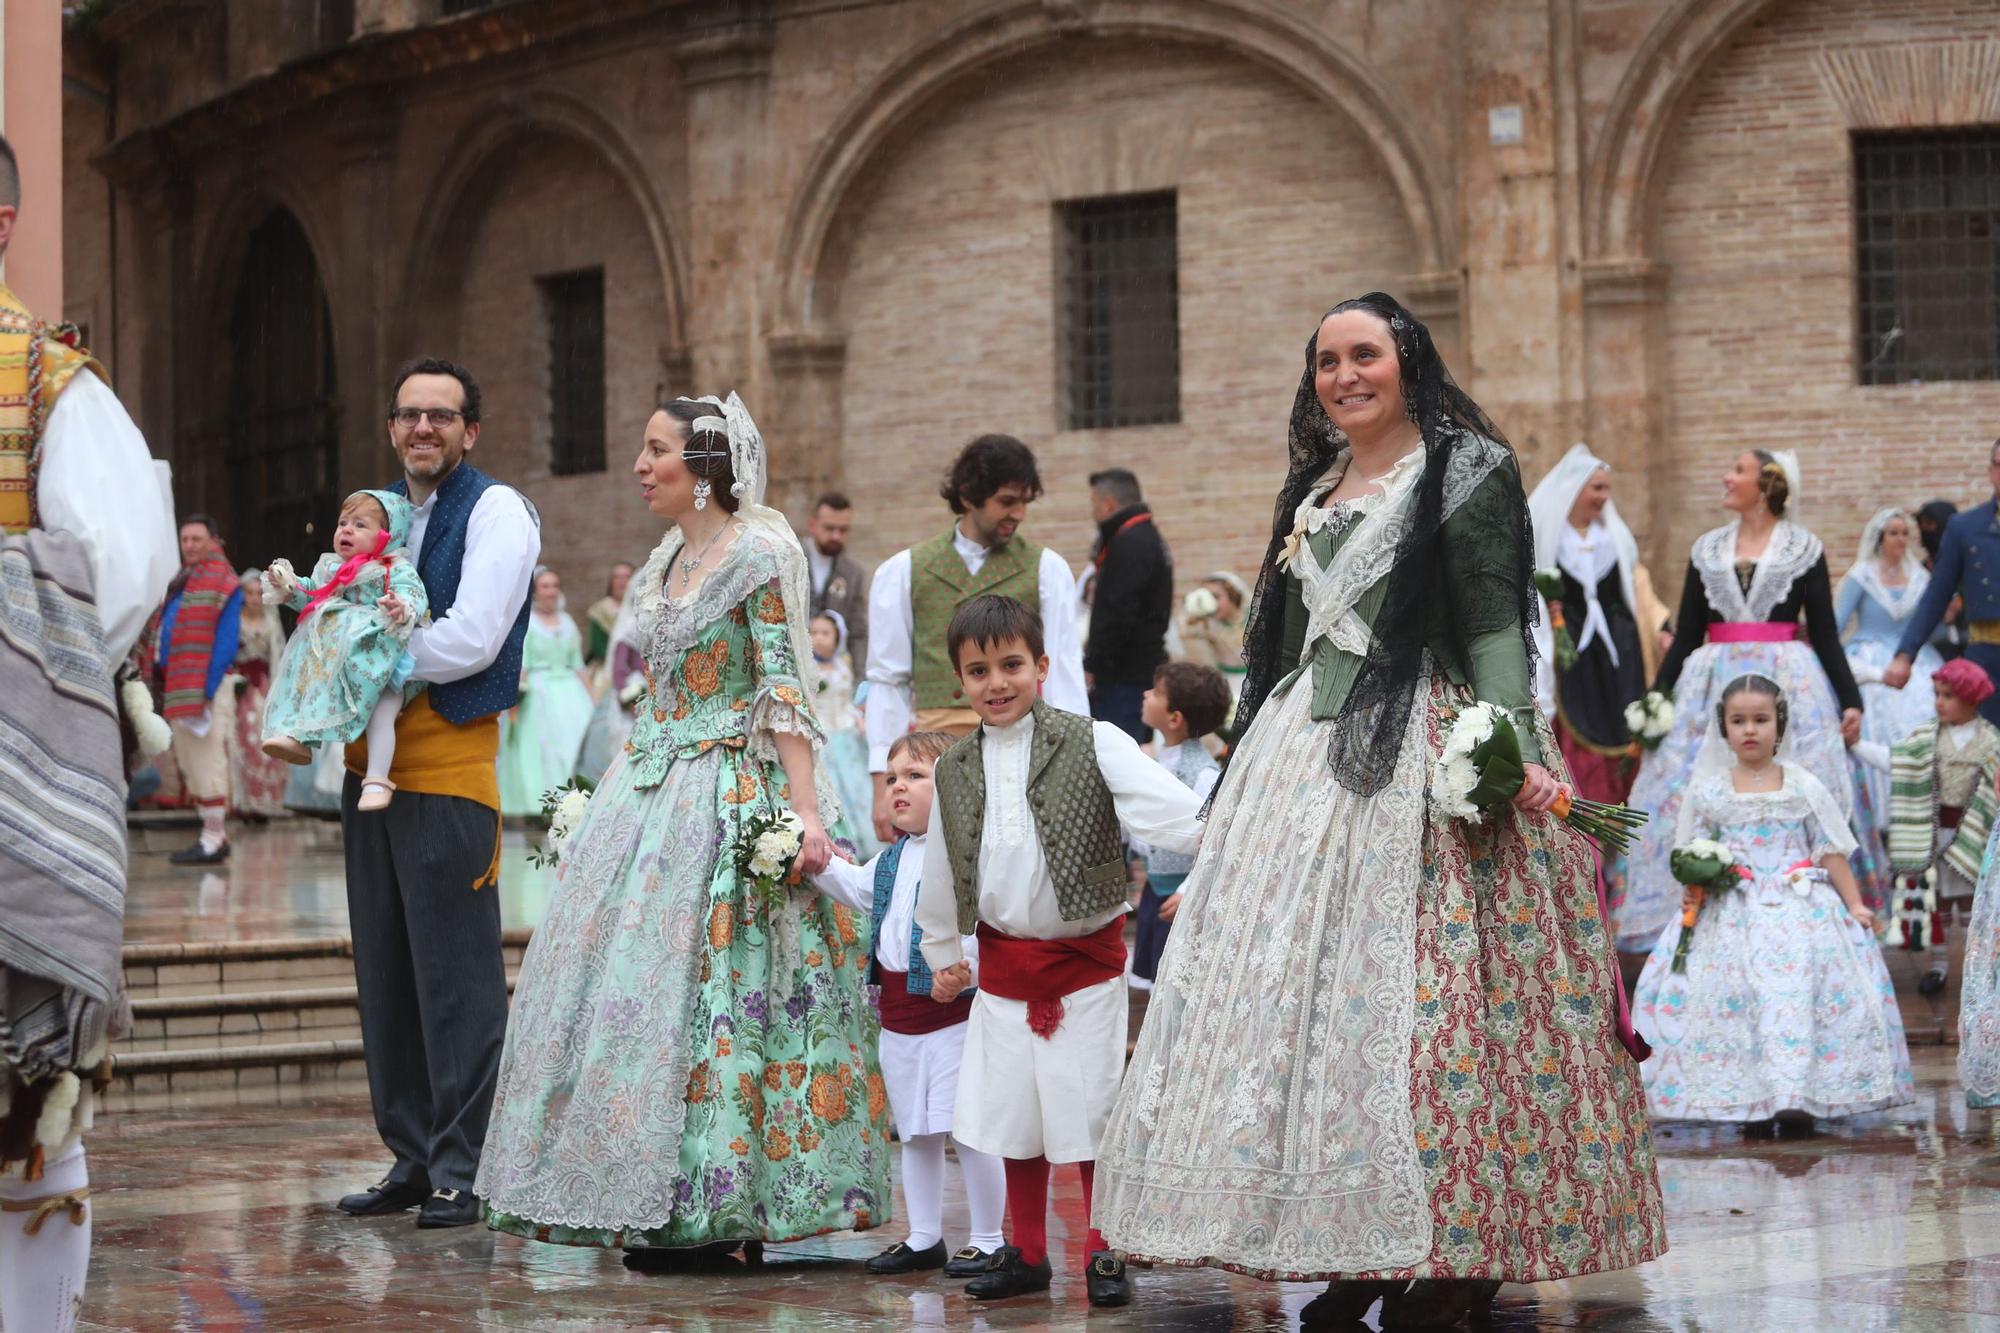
[
  {"x": 344, "y": 669},
  {"x": 1785, "y": 1009}
]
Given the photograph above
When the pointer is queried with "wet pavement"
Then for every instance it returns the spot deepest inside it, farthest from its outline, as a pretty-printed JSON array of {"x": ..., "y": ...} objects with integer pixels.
[
  {"x": 223, "y": 1218},
  {"x": 225, "y": 1221}
]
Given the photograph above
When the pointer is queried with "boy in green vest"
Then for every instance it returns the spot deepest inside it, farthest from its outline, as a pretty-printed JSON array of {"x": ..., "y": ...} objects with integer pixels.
[{"x": 1025, "y": 851}]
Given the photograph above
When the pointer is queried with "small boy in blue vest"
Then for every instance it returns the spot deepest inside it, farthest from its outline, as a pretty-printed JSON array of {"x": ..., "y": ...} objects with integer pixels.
[
  {"x": 1026, "y": 846},
  {"x": 922, "y": 1041},
  {"x": 1187, "y": 702}
]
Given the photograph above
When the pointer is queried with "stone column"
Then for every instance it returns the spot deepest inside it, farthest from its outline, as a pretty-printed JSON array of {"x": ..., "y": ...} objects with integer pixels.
[
  {"x": 1519, "y": 209},
  {"x": 361, "y": 280},
  {"x": 1625, "y": 307}
]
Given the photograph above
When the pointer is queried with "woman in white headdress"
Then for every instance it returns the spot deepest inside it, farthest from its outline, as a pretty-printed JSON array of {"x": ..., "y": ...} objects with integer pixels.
[
  {"x": 690, "y": 1062},
  {"x": 1872, "y": 606},
  {"x": 1750, "y": 584},
  {"x": 1579, "y": 534}
]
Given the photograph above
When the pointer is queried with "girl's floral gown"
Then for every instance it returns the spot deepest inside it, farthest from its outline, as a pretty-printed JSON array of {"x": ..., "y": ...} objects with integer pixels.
[
  {"x": 688, "y": 1061},
  {"x": 1786, "y": 1004}
]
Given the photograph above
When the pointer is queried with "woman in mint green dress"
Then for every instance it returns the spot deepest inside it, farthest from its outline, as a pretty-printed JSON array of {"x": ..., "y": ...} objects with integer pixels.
[
  {"x": 545, "y": 733},
  {"x": 691, "y": 1060}
]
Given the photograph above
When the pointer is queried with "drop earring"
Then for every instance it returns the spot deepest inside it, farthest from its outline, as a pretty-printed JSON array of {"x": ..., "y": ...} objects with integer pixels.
[{"x": 702, "y": 490}]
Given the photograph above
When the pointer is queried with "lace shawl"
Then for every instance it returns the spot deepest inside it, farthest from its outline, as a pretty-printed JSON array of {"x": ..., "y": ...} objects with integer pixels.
[{"x": 1791, "y": 552}]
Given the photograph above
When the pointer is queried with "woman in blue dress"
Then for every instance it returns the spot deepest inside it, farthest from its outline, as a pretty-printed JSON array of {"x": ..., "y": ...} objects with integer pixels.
[{"x": 1872, "y": 607}]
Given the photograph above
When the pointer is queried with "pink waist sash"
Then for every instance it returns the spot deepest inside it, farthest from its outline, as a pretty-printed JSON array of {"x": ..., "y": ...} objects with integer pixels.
[{"x": 1753, "y": 631}]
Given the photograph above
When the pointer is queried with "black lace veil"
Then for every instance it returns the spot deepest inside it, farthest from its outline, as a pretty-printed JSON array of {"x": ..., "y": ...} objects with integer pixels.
[{"x": 1495, "y": 584}]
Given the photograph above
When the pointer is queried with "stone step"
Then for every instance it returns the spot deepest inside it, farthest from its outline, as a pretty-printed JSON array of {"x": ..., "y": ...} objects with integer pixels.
[{"x": 210, "y": 967}]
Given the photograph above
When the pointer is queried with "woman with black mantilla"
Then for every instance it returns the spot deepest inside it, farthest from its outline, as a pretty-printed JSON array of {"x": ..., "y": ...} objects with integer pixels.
[{"x": 1385, "y": 1054}]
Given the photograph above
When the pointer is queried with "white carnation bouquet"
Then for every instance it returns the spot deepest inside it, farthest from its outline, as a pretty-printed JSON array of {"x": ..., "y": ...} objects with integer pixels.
[
  {"x": 563, "y": 807},
  {"x": 767, "y": 851},
  {"x": 155, "y": 737},
  {"x": 1481, "y": 769},
  {"x": 1705, "y": 866},
  {"x": 1649, "y": 719}
]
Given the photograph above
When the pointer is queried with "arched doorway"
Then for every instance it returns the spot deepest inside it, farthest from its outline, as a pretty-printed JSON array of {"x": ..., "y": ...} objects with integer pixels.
[{"x": 283, "y": 435}]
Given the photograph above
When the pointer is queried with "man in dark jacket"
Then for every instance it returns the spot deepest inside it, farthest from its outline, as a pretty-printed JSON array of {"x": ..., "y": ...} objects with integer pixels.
[{"x": 1131, "y": 604}]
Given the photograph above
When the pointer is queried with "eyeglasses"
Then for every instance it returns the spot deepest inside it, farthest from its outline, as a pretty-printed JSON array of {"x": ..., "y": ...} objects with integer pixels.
[{"x": 408, "y": 417}]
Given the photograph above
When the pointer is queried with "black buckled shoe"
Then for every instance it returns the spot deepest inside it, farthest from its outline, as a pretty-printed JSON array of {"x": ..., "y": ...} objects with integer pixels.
[
  {"x": 968, "y": 1262},
  {"x": 385, "y": 1196},
  {"x": 1006, "y": 1275},
  {"x": 1932, "y": 982},
  {"x": 1105, "y": 1280},
  {"x": 197, "y": 855},
  {"x": 449, "y": 1208},
  {"x": 900, "y": 1258}
]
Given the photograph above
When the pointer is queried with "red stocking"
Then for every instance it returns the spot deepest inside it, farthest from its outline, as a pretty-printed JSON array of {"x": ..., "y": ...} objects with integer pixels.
[
  {"x": 1088, "y": 1170},
  {"x": 1028, "y": 1206}
]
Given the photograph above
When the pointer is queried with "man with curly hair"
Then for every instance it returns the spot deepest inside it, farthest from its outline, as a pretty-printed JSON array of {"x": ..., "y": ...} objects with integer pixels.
[{"x": 917, "y": 591}]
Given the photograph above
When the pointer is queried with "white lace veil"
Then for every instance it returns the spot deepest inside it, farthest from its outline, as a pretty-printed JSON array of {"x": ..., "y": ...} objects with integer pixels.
[
  {"x": 1788, "y": 461},
  {"x": 1715, "y": 757},
  {"x": 1868, "y": 574},
  {"x": 1548, "y": 510},
  {"x": 750, "y": 465}
]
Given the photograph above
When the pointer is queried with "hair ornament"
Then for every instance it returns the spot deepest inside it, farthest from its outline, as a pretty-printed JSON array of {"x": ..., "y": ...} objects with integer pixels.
[{"x": 715, "y": 424}]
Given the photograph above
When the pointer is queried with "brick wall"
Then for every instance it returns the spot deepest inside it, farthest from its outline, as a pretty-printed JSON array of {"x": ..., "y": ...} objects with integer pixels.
[
  {"x": 949, "y": 305},
  {"x": 1754, "y": 217},
  {"x": 551, "y": 210}
]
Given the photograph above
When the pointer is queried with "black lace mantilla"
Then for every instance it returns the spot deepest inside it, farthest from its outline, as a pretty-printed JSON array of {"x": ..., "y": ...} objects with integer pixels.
[{"x": 1493, "y": 578}]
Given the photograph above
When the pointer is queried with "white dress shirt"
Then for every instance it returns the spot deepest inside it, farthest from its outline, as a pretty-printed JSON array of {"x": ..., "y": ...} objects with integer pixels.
[
  {"x": 820, "y": 565},
  {"x": 1016, "y": 894},
  {"x": 100, "y": 483},
  {"x": 854, "y": 886},
  {"x": 892, "y": 637},
  {"x": 503, "y": 541}
]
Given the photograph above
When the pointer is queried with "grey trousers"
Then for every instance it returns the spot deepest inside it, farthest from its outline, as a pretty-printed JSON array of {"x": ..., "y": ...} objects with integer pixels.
[{"x": 431, "y": 980}]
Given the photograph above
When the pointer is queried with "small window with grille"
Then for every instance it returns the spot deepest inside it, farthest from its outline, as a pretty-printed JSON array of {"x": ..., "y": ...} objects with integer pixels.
[
  {"x": 1927, "y": 255},
  {"x": 573, "y": 304},
  {"x": 1119, "y": 361}
]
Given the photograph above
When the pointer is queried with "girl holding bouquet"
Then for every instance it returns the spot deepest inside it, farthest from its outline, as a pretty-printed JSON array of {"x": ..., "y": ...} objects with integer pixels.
[
  {"x": 1780, "y": 1006},
  {"x": 690, "y": 1063},
  {"x": 1381, "y": 1049},
  {"x": 1748, "y": 585}
]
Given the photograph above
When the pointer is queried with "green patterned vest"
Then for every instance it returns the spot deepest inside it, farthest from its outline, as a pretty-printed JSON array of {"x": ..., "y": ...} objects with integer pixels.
[
  {"x": 1072, "y": 809},
  {"x": 940, "y": 584}
]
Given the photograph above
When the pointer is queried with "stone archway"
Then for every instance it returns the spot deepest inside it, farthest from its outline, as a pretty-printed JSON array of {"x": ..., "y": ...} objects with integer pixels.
[
  {"x": 280, "y": 430},
  {"x": 1323, "y": 71}
]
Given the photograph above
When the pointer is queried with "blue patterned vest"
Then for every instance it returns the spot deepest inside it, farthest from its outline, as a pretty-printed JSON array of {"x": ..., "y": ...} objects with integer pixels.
[
  {"x": 919, "y": 982},
  {"x": 439, "y": 564}
]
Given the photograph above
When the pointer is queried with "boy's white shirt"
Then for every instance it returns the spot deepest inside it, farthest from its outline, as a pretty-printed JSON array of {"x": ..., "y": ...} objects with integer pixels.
[
  {"x": 1015, "y": 893},
  {"x": 1204, "y": 783},
  {"x": 1877, "y": 755},
  {"x": 853, "y": 886}
]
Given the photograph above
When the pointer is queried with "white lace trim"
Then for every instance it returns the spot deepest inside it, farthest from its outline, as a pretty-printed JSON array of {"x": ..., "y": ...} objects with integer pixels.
[
  {"x": 1802, "y": 797},
  {"x": 1790, "y": 553}
]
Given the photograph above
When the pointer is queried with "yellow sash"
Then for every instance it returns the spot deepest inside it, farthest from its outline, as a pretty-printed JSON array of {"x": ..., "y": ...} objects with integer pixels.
[
  {"x": 440, "y": 758},
  {"x": 34, "y": 369}
]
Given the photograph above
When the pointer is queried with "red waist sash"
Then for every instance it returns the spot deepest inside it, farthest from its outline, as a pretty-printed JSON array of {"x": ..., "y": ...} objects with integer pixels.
[
  {"x": 1042, "y": 972},
  {"x": 1753, "y": 631},
  {"x": 914, "y": 1015}
]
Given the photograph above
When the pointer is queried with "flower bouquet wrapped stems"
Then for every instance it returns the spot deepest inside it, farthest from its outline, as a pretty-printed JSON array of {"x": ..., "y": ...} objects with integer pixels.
[
  {"x": 1649, "y": 719},
  {"x": 1481, "y": 768},
  {"x": 1705, "y": 866},
  {"x": 1549, "y": 583},
  {"x": 563, "y": 808},
  {"x": 767, "y": 852}
]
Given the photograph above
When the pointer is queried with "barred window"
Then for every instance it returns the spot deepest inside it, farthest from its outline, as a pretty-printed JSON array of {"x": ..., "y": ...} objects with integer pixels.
[
  {"x": 1927, "y": 255},
  {"x": 1120, "y": 359},
  {"x": 574, "y": 306}
]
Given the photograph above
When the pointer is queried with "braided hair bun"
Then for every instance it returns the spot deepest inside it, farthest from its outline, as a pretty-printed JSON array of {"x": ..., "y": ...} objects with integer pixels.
[{"x": 1772, "y": 483}]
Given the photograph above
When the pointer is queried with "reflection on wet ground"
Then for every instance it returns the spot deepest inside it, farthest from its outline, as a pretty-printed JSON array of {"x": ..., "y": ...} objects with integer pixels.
[{"x": 223, "y": 1219}]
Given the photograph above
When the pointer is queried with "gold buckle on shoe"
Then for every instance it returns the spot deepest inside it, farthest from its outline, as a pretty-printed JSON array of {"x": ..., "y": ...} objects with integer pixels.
[{"x": 1109, "y": 1265}]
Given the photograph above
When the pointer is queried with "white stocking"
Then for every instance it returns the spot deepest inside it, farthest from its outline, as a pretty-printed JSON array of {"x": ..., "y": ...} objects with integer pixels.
[
  {"x": 923, "y": 1189},
  {"x": 41, "y": 1276},
  {"x": 382, "y": 732},
  {"x": 213, "y": 832},
  {"x": 985, "y": 1193}
]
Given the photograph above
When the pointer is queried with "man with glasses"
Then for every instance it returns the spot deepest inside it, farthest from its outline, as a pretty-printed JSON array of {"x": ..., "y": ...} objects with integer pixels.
[{"x": 423, "y": 894}]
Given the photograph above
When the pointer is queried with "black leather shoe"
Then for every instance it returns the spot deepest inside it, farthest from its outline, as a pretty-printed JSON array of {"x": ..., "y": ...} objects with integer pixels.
[
  {"x": 968, "y": 1262},
  {"x": 385, "y": 1196},
  {"x": 1006, "y": 1275},
  {"x": 449, "y": 1208},
  {"x": 195, "y": 856},
  {"x": 1105, "y": 1280},
  {"x": 900, "y": 1258},
  {"x": 1932, "y": 982}
]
